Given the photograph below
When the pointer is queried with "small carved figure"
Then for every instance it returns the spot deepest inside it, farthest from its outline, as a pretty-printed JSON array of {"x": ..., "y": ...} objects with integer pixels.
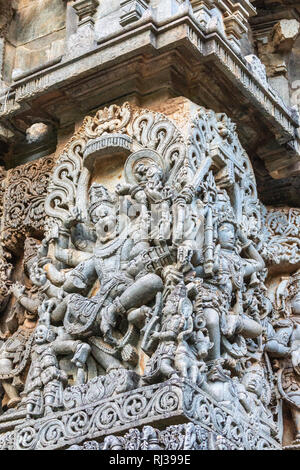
[
  {"x": 255, "y": 398},
  {"x": 173, "y": 354},
  {"x": 193, "y": 347},
  {"x": 283, "y": 342},
  {"x": 113, "y": 443},
  {"x": 44, "y": 385},
  {"x": 222, "y": 291},
  {"x": 152, "y": 193},
  {"x": 150, "y": 439},
  {"x": 15, "y": 352}
]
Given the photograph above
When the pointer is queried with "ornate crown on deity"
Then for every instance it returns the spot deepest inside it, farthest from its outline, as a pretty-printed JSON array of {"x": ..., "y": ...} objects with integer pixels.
[
  {"x": 99, "y": 195},
  {"x": 177, "y": 294},
  {"x": 227, "y": 217}
]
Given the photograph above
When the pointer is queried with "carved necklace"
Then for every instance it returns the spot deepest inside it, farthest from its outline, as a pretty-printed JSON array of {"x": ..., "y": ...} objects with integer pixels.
[
  {"x": 233, "y": 268},
  {"x": 107, "y": 251}
]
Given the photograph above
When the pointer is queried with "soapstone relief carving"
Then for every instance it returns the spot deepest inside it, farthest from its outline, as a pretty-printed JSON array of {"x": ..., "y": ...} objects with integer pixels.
[
  {"x": 283, "y": 346},
  {"x": 152, "y": 297}
]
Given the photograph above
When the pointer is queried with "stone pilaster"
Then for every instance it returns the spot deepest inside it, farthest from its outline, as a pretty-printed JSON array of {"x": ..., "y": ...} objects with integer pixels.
[
  {"x": 84, "y": 38},
  {"x": 132, "y": 10}
]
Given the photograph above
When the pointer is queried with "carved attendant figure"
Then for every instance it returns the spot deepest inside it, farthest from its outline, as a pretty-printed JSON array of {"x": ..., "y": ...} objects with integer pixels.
[
  {"x": 45, "y": 381},
  {"x": 222, "y": 292},
  {"x": 172, "y": 354},
  {"x": 283, "y": 342},
  {"x": 15, "y": 352}
]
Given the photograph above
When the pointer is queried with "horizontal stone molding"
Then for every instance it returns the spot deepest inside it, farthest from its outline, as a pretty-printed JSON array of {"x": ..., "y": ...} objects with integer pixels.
[
  {"x": 144, "y": 36},
  {"x": 176, "y": 400}
]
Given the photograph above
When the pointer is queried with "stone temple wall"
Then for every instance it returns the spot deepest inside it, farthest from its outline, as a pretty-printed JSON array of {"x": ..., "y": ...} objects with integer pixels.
[{"x": 150, "y": 224}]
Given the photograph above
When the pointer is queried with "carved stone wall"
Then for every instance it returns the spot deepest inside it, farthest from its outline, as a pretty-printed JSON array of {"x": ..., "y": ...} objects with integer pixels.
[{"x": 150, "y": 253}]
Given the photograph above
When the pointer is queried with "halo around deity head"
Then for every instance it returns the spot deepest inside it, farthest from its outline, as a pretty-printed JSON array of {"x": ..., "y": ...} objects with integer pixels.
[{"x": 142, "y": 158}]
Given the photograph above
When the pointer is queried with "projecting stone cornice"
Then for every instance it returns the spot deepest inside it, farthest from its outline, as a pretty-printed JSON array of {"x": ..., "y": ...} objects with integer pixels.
[{"x": 184, "y": 60}]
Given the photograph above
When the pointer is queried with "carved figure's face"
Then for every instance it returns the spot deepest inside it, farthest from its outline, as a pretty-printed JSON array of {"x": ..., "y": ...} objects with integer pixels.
[
  {"x": 226, "y": 235},
  {"x": 105, "y": 219},
  {"x": 295, "y": 304},
  {"x": 170, "y": 308},
  {"x": 41, "y": 334},
  {"x": 155, "y": 175},
  {"x": 253, "y": 383}
]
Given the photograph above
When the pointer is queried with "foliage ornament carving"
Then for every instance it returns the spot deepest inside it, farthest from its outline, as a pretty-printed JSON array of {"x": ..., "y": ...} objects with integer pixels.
[{"x": 23, "y": 203}]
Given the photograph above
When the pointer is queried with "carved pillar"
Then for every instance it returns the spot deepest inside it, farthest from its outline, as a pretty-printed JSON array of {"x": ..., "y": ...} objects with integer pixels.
[
  {"x": 275, "y": 32},
  {"x": 6, "y": 13},
  {"x": 85, "y": 10},
  {"x": 227, "y": 18},
  {"x": 203, "y": 11},
  {"x": 84, "y": 38}
]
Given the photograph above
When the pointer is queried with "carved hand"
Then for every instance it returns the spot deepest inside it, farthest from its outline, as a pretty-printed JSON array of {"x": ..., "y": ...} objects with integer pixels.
[
  {"x": 155, "y": 335},
  {"x": 241, "y": 235},
  {"x": 123, "y": 189},
  {"x": 75, "y": 216},
  {"x": 17, "y": 289}
]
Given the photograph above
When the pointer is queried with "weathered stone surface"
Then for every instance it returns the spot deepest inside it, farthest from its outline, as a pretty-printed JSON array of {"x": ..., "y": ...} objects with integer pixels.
[{"x": 149, "y": 214}]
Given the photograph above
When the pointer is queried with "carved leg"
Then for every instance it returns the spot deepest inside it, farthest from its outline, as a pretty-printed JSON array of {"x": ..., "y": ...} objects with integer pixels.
[
  {"x": 296, "y": 418},
  {"x": 81, "y": 354},
  {"x": 194, "y": 373},
  {"x": 166, "y": 368},
  {"x": 108, "y": 320},
  {"x": 141, "y": 292},
  {"x": 105, "y": 360},
  {"x": 181, "y": 364},
  {"x": 178, "y": 230},
  {"x": 49, "y": 399},
  {"x": 59, "y": 312},
  {"x": 230, "y": 325},
  {"x": 54, "y": 275},
  {"x": 12, "y": 394},
  {"x": 29, "y": 410},
  {"x": 213, "y": 327},
  {"x": 80, "y": 378},
  {"x": 248, "y": 328},
  {"x": 48, "y": 410}
]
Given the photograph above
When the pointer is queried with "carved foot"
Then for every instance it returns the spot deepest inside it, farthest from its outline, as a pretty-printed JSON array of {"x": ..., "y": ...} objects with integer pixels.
[
  {"x": 81, "y": 355},
  {"x": 13, "y": 402},
  {"x": 230, "y": 325}
]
